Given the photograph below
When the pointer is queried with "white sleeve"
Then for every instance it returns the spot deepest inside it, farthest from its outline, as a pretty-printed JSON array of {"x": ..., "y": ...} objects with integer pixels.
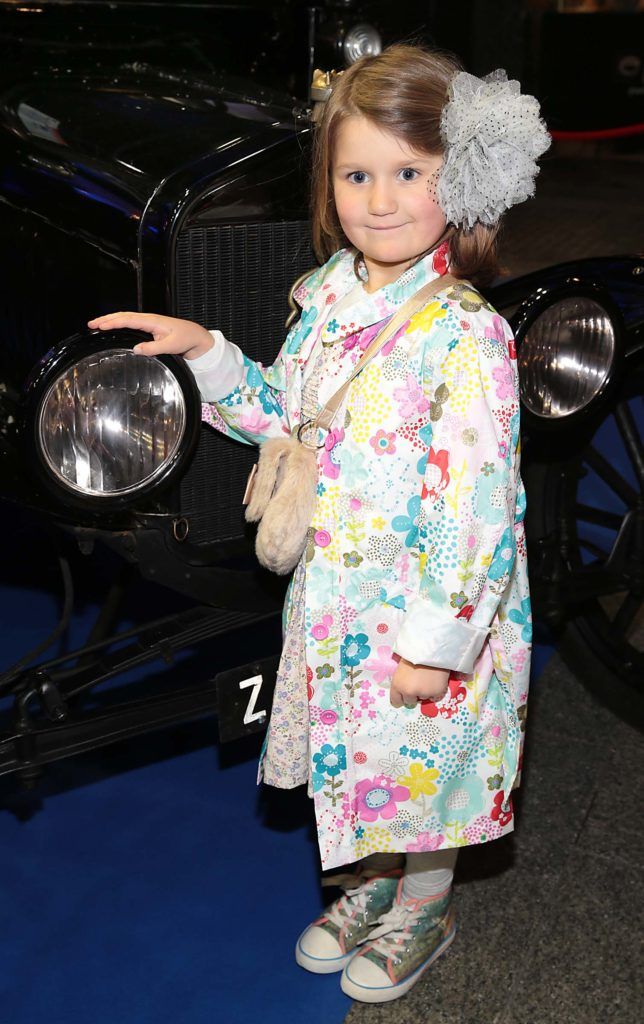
[
  {"x": 219, "y": 370},
  {"x": 448, "y": 643}
]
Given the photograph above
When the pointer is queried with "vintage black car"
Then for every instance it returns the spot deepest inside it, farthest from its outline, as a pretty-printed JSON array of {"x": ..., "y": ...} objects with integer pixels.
[{"x": 135, "y": 185}]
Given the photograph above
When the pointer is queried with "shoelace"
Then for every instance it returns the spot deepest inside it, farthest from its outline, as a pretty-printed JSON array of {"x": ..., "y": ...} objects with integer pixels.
[
  {"x": 354, "y": 890},
  {"x": 393, "y": 928}
]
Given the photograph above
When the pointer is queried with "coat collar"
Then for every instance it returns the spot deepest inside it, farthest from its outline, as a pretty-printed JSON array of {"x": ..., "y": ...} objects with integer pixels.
[{"x": 372, "y": 308}]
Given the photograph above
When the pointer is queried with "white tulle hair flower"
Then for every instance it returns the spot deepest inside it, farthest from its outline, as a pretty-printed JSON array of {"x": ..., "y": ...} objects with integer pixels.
[{"x": 492, "y": 137}]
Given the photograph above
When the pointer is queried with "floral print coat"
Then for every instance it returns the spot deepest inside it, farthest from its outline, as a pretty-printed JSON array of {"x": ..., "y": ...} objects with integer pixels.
[{"x": 417, "y": 548}]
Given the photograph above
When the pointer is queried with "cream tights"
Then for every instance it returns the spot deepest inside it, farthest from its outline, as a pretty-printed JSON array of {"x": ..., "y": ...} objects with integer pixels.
[{"x": 427, "y": 875}]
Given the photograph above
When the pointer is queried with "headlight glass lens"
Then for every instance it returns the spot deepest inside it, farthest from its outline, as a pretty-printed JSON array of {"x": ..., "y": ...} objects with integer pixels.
[
  {"x": 566, "y": 356},
  {"x": 361, "y": 41},
  {"x": 110, "y": 424}
]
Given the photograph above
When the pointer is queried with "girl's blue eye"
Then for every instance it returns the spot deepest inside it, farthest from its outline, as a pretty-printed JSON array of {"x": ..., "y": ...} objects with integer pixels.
[
  {"x": 408, "y": 174},
  {"x": 357, "y": 177}
]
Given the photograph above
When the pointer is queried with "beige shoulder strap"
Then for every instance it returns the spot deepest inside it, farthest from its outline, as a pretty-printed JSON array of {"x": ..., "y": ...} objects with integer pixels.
[{"x": 413, "y": 305}]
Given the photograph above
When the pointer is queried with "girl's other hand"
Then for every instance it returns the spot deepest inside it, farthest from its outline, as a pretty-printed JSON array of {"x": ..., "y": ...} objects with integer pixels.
[
  {"x": 411, "y": 683},
  {"x": 171, "y": 335}
]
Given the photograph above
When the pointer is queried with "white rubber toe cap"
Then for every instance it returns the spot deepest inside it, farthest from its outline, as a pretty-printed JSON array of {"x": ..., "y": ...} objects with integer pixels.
[
  {"x": 365, "y": 972},
  {"x": 319, "y": 952}
]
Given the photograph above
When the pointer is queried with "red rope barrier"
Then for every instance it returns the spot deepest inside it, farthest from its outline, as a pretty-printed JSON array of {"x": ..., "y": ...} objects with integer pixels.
[{"x": 599, "y": 133}]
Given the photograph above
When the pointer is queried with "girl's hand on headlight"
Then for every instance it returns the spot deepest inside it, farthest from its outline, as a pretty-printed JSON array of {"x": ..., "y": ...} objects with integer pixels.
[{"x": 171, "y": 335}]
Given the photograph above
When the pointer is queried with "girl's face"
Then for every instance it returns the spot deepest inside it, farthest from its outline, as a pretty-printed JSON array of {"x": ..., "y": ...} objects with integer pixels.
[{"x": 385, "y": 197}]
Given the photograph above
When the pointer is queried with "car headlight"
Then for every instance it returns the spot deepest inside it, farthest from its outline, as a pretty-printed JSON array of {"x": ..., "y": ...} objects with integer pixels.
[
  {"x": 361, "y": 41},
  {"x": 111, "y": 426},
  {"x": 566, "y": 356}
]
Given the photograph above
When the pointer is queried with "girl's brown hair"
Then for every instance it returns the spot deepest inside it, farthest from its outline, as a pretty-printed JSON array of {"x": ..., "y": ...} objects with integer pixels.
[{"x": 402, "y": 91}]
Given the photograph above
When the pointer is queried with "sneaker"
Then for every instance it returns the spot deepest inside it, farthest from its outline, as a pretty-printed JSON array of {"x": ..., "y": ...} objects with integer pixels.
[
  {"x": 328, "y": 944},
  {"x": 410, "y": 936}
]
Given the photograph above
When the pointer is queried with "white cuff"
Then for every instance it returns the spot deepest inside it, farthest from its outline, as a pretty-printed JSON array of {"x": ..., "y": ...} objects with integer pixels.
[
  {"x": 219, "y": 370},
  {"x": 430, "y": 638}
]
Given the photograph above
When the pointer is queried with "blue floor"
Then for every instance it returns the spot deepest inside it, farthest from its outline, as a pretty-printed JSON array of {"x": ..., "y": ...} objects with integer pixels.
[{"x": 154, "y": 882}]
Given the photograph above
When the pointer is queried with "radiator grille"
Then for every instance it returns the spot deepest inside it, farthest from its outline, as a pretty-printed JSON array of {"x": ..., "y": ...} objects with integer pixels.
[{"x": 236, "y": 278}]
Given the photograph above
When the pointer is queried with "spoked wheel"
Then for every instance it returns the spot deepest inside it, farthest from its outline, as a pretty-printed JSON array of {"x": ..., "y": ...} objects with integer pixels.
[{"x": 596, "y": 503}]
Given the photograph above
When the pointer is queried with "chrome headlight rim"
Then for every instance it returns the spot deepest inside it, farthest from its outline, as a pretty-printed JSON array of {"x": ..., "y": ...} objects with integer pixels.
[
  {"x": 350, "y": 42},
  {"x": 534, "y": 307},
  {"x": 60, "y": 360}
]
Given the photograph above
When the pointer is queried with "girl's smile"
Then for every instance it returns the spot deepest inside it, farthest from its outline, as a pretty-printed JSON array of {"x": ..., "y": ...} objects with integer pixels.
[
  {"x": 382, "y": 227},
  {"x": 383, "y": 192}
]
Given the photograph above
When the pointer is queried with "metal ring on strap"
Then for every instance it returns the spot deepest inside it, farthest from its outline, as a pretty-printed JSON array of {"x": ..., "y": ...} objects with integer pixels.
[{"x": 303, "y": 427}]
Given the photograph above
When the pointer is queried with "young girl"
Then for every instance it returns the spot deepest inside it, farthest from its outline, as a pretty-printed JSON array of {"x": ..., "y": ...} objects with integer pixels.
[{"x": 402, "y": 686}]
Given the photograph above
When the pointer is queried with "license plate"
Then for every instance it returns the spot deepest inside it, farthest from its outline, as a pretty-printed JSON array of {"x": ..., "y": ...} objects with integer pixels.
[{"x": 244, "y": 698}]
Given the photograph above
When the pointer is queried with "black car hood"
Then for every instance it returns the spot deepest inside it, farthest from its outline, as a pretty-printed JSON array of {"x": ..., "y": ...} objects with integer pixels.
[{"x": 74, "y": 144}]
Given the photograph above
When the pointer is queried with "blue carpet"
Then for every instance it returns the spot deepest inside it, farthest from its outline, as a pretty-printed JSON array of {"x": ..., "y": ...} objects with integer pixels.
[{"x": 155, "y": 883}]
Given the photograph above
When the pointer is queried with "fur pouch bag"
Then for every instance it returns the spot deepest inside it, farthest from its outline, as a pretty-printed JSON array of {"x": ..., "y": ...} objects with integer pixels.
[{"x": 284, "y": 492}]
